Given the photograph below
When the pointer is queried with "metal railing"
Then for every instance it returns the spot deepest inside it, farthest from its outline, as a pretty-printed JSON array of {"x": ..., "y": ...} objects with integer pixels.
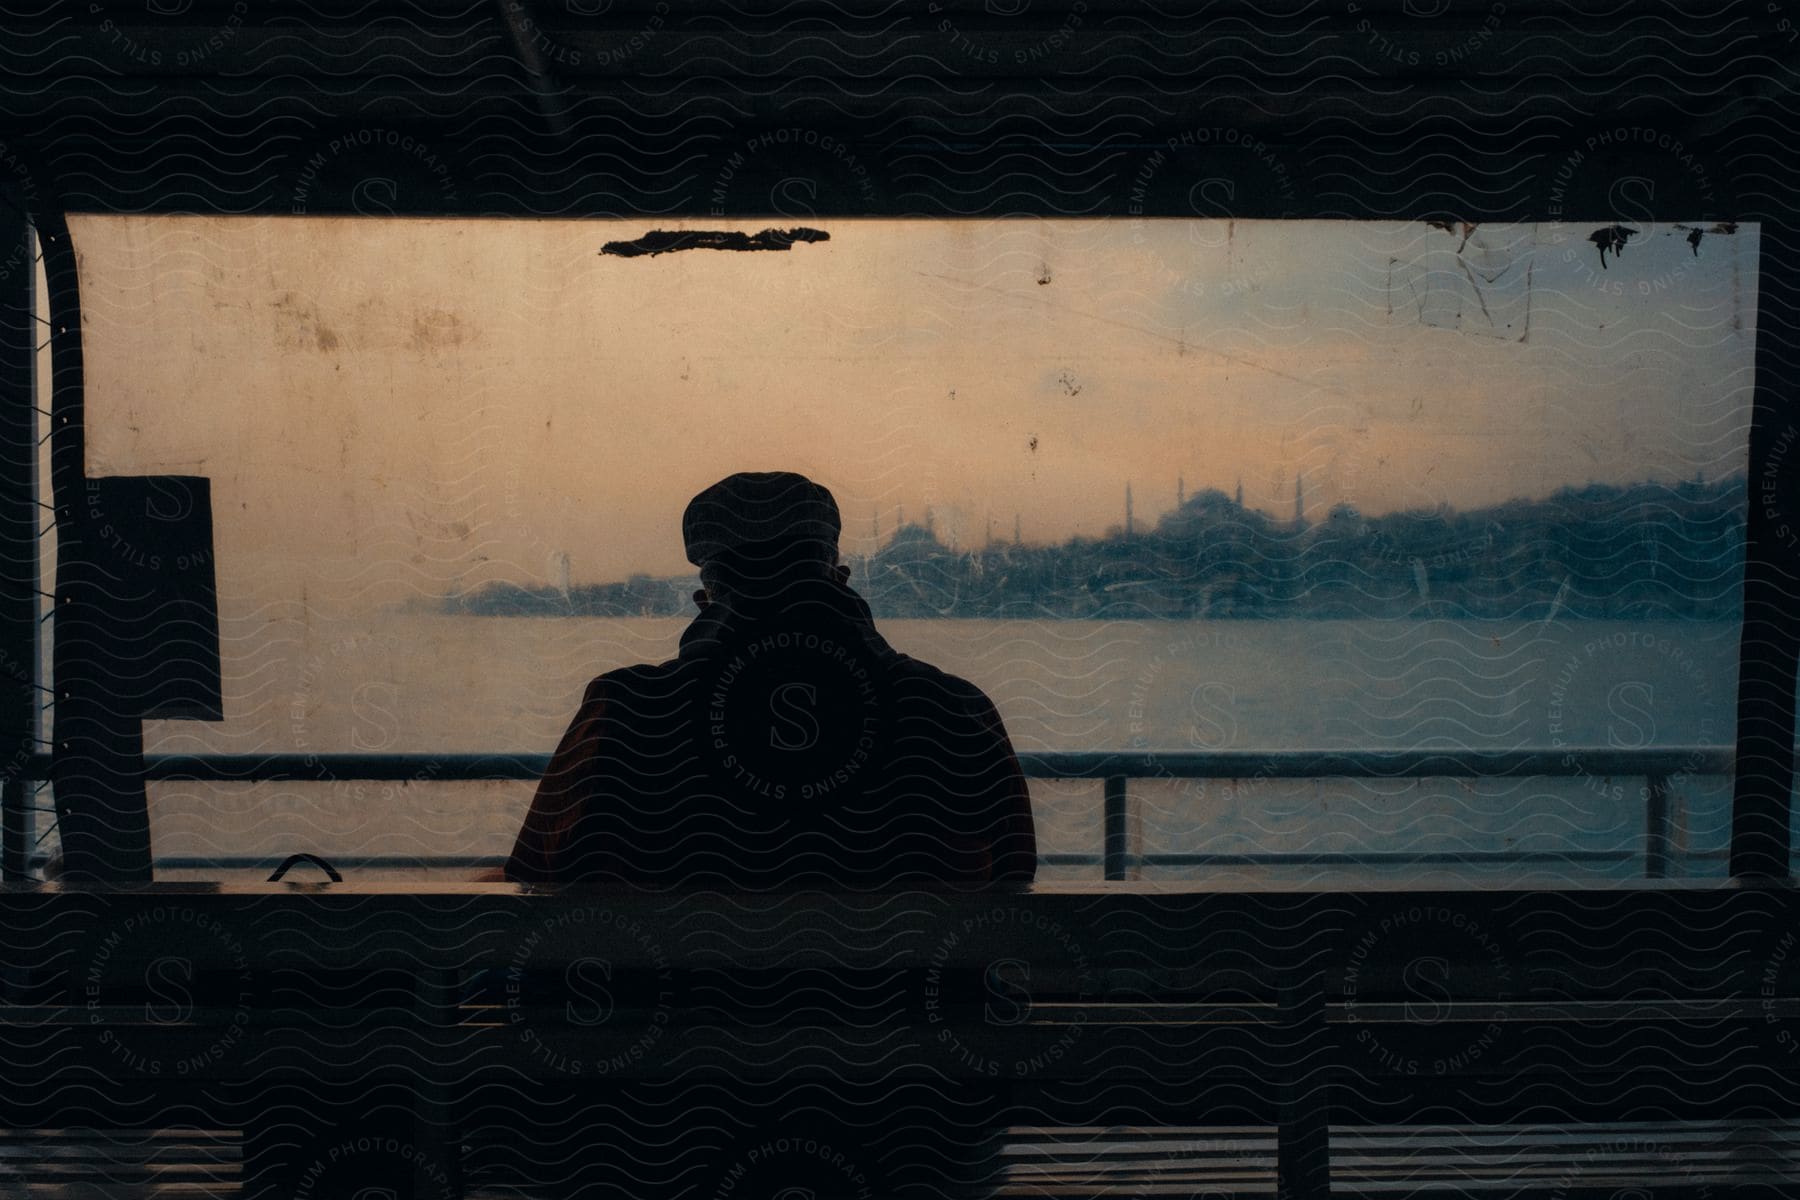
[{"x": 1115, "y": 768}]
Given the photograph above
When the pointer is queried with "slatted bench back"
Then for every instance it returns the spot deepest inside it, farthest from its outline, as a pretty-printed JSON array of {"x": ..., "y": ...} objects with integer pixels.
[{"x": 1290, "y": 1012}]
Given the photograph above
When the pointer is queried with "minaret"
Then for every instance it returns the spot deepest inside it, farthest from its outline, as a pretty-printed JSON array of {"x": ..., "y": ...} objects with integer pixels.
[
  {"x": 1015, "y": 529},
  {"x": 1180, "y": 491},
  {"x": 875, "y": 527},
  {"x": 1240, "y": 492},
  {"x": 930, "y": 525},
  {"x": 1299, "y": 503},
  {"x": 562, "y": 572},
  {"x": 1128, "y": 508}
]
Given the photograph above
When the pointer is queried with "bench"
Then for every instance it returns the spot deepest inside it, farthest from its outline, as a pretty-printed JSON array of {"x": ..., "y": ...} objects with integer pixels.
[{"x": 311, "y": 1040}]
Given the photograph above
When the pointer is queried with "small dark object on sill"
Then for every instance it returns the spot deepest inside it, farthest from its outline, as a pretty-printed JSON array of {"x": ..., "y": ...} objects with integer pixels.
[{"x": 666, "y": 241}]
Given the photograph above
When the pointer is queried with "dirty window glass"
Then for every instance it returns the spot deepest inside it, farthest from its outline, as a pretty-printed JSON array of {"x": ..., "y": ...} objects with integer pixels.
[{"x": 1271, "y": 488}]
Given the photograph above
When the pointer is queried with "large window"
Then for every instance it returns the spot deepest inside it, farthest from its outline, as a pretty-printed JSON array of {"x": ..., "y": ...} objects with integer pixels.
[{"x": 1157, "y": 486}]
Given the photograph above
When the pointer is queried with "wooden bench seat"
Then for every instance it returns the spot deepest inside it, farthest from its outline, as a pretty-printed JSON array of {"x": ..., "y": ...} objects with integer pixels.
[
  {"x": 1081, "y": 1162},
  {"x": 1113, "y": 1041}
]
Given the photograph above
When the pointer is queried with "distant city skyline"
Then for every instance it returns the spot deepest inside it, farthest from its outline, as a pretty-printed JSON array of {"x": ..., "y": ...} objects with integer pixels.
[
  {"x": 396, "y": 404},
  {"x": 1527, "y": 559},
  {"x": 880, "y": 531}
]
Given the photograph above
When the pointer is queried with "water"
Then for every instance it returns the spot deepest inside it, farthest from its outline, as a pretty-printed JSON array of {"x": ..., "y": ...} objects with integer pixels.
[{"x": 408, "y": 683}]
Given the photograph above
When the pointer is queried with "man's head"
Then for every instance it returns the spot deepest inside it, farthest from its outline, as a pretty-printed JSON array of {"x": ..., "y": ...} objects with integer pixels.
[{"x": 752, "y": 531}]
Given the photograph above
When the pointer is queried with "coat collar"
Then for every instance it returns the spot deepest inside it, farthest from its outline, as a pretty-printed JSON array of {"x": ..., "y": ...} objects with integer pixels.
[{"x": 821, "y": 605}]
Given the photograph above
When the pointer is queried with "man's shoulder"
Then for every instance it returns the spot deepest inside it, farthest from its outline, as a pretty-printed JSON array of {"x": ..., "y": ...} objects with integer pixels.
[
  {"x": 655, "y": 679},
  {"x": 637, "y": 679},
  {"x": 942, "y": 681}
]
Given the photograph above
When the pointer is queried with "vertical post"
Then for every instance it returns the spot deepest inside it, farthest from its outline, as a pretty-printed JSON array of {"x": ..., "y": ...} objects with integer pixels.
[
  {"x": 19, "y": 337},
  {"x": 1303, "y": 1141},
  {"x": 436, "y": 1132},
  {"x": 102, "y": 809},
  {"x": 1769, "y": 650},
  {"x": 1116, "y": 855},
  {"x": 15, "y": 831},
  {"x": 1656, "y": 827}
]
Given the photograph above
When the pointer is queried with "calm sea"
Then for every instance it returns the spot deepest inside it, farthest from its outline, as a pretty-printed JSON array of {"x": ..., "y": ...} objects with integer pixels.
[{"x": 406, "y": 683}]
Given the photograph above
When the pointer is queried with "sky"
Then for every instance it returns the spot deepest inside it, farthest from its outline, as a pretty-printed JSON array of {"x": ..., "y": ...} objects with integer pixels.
[{"x": 403, "y": 407}]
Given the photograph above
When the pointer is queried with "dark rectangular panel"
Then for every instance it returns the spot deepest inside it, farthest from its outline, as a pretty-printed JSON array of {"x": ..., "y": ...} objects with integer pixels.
[{"x": 151, "y": 546}]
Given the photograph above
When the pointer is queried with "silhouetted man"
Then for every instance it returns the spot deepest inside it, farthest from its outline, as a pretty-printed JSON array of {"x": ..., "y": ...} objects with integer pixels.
[{"x": 787, "y": 745}]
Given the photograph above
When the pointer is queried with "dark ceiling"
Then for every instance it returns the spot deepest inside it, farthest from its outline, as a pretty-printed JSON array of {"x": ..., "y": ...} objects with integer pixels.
[
  {"x": 1476, "y": 109},
  {"x": 1454, "y": 111}
]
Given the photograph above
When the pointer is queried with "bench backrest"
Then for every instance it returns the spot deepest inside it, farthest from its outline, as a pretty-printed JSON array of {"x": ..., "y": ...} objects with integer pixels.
[{"x": 1284, "y": 1008}]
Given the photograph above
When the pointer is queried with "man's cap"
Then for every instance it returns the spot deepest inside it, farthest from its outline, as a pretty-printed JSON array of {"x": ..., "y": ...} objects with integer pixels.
[{"x": 758, "y": 514}]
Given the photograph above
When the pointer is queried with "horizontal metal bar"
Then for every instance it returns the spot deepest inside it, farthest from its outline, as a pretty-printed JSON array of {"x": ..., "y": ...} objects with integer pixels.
[
  {"x": 1387, "y": 858},
  {"x": 1375, "y": 858},
  {"x": 1404, "y": 764},
  {"x": 1560, "y": 761},
  {"x": 248, "y": 862}
]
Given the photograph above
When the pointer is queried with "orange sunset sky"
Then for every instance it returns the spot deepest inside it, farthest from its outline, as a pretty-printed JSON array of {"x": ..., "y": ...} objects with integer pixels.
[{"x": 424, "y": 404}]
